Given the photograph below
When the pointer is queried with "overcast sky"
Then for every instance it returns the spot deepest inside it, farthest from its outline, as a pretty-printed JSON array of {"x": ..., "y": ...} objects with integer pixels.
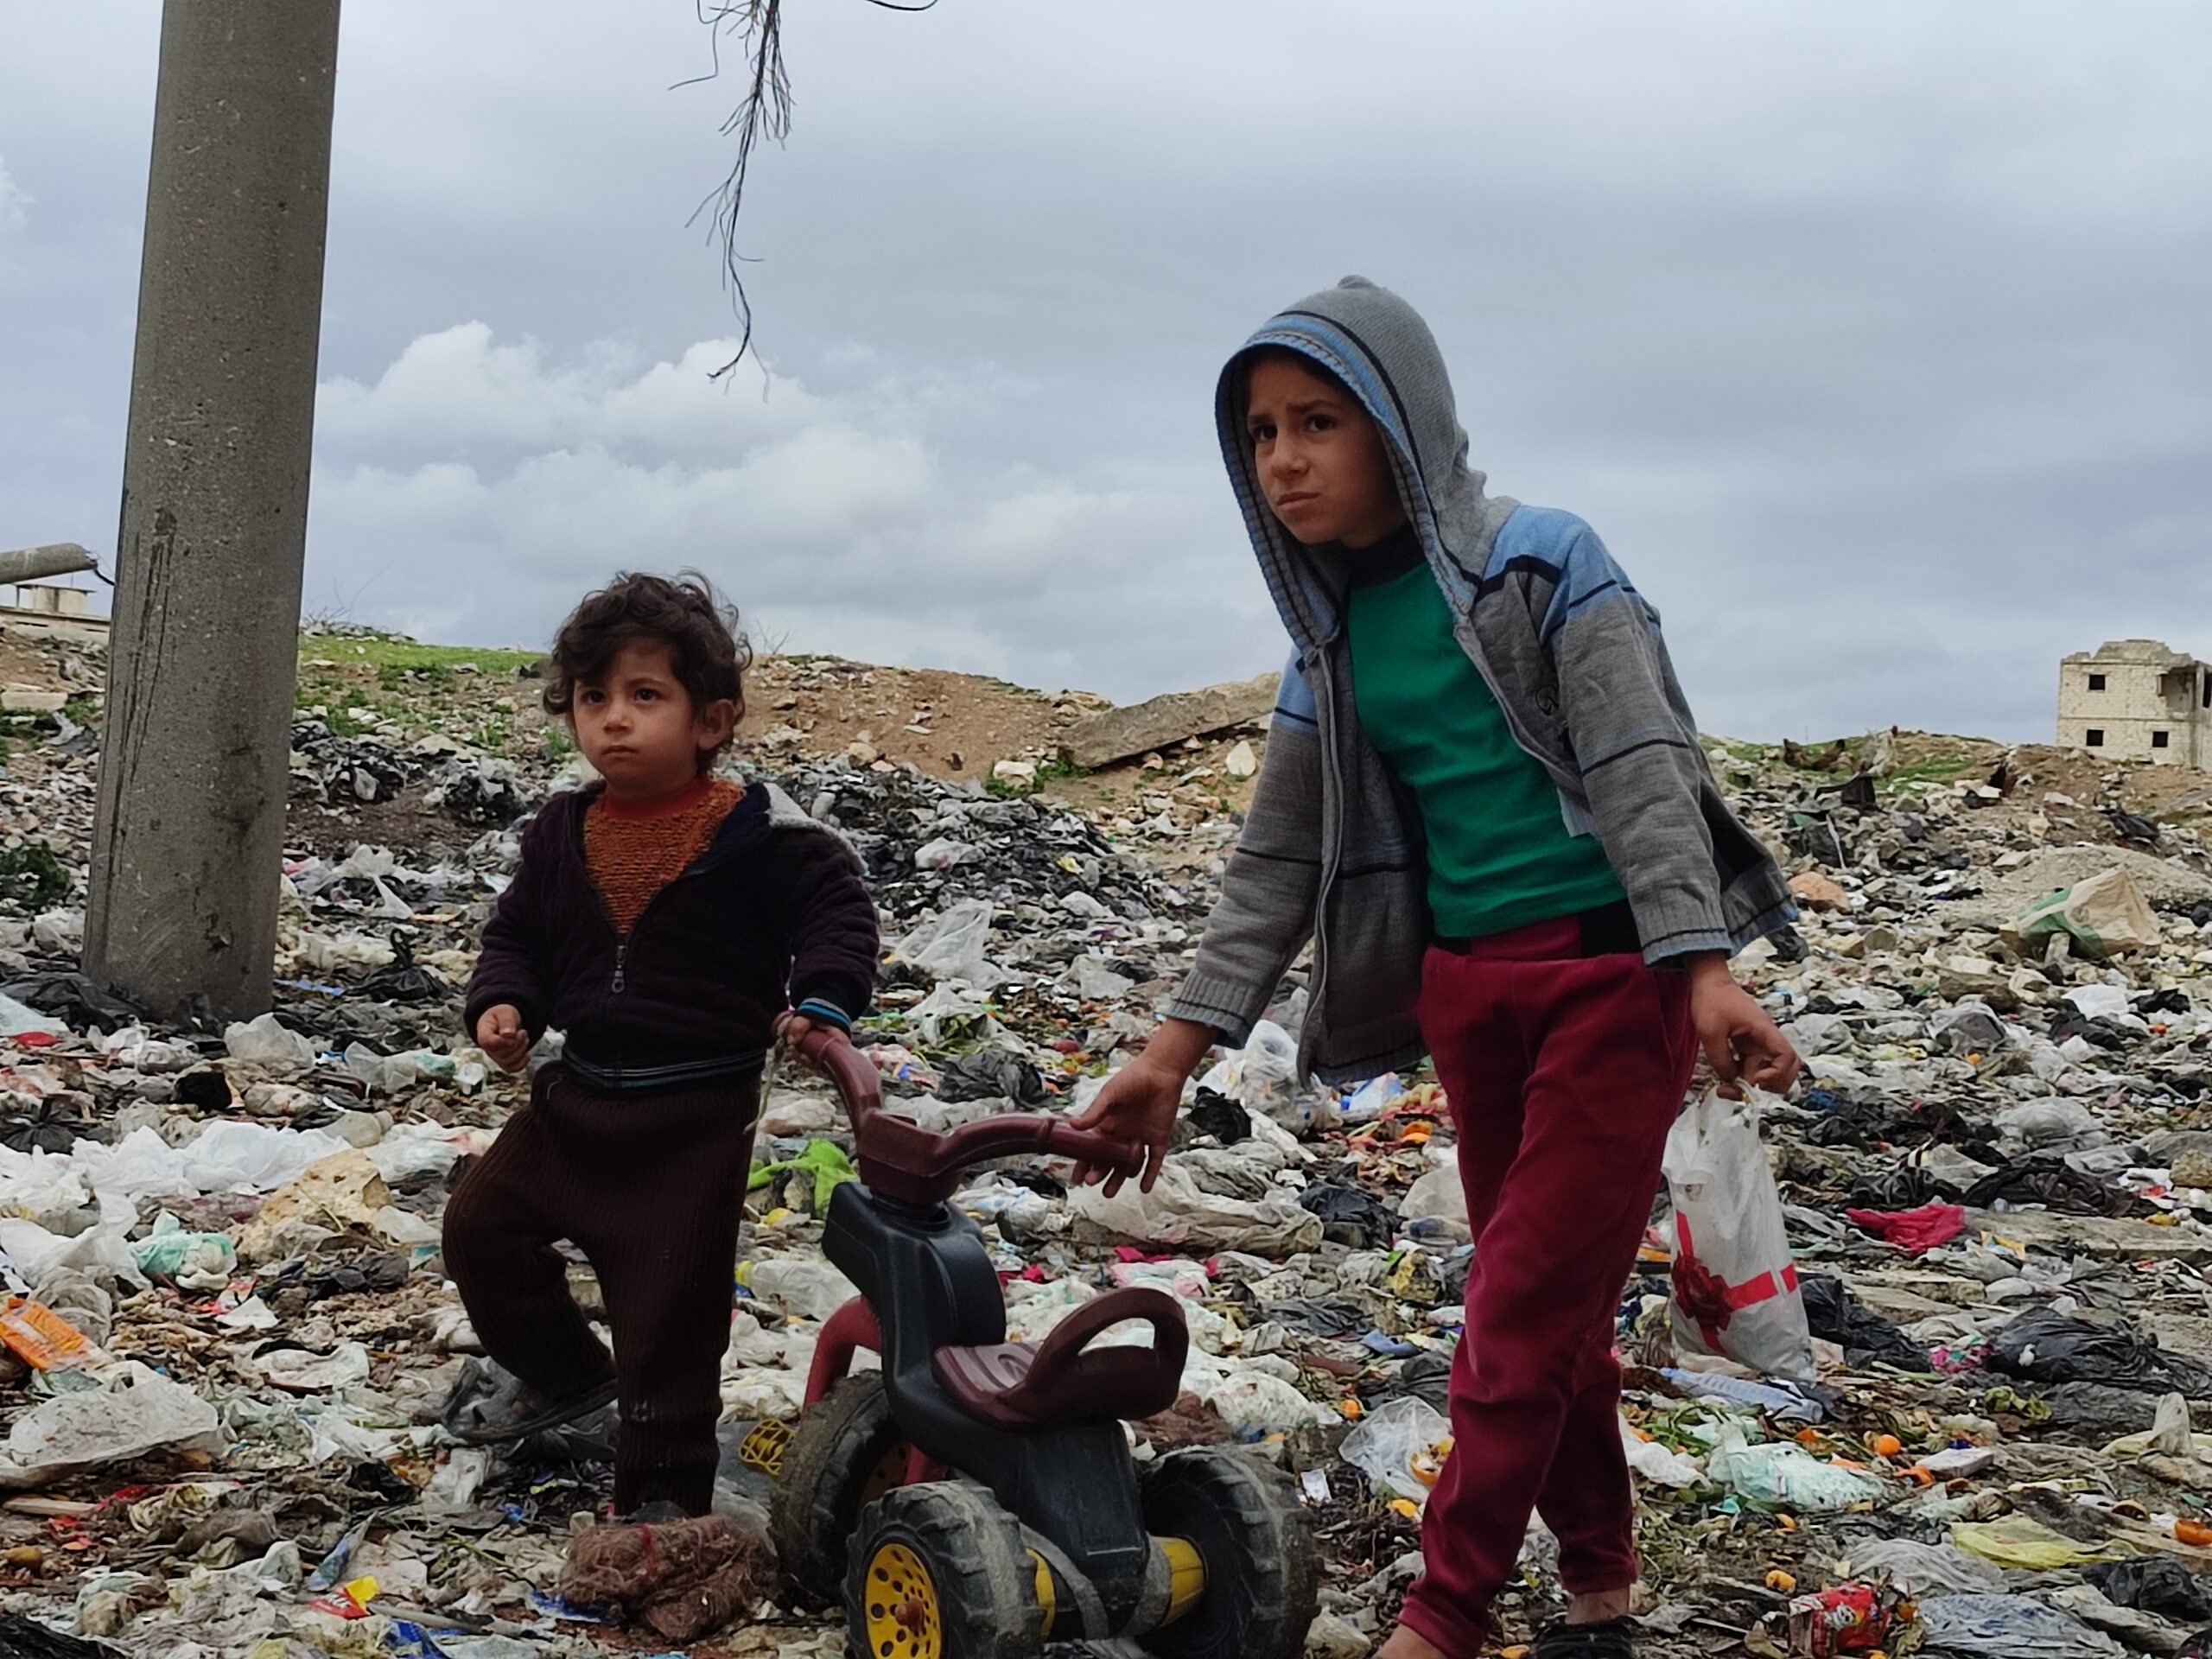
[{"x": 1872, "y": 337}]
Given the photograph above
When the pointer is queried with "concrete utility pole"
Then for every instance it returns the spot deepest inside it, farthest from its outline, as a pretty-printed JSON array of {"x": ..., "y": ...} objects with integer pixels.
[{"x": 194, "y": 759}]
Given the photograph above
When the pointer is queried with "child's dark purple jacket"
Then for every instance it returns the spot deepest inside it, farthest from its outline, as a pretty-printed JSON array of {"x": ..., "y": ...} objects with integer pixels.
[{"x": 772, "y": 915}]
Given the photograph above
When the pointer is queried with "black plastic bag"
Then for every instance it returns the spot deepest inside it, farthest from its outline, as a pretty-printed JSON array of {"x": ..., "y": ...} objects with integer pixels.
[
  {"x": 1426, "y": 1376},
  {"x": 1216, "y": 1115},
  {"x": 2049, "y": 1179},
  {"x": 26, "y": 1638},
  {"x": 1348, "y": 1215},
  {"x": 2051, "y": 1347},
  {"x": 1907, "y": 1187},
  {"x": 404, "y": 979},
  {"x": 1320, "y": 1318},
  {"x": 49, "y": 1126},
  {"x": 2154, "y": 1584},
  {"x": 993, "y": 1075},
  {"x": 72, "y": 999},
  {"x": 1863, "y": 1335}
]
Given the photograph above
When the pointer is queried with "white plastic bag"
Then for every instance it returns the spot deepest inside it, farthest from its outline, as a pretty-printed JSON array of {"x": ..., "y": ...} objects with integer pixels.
[
  {"x": 1399, "y": 1447},
  {"x": 267, "y": 1041},
  {"x": 1439, "y": 1192},
  {"x": 1735, "y": 1284},
  {"x": 951, "y": 945},
  {"x": 1262, "y": 1077},
  {"x": 136, "y": 1413},
  {"x": 17, "y": 1020}
]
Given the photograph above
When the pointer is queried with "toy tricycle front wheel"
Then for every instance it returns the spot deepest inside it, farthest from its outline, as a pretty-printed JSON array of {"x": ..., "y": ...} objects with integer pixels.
[{"x": 938, "y": 1570}]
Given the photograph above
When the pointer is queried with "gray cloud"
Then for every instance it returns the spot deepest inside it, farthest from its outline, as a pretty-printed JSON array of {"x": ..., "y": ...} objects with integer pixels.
[{"x": 1870, "y": 337}]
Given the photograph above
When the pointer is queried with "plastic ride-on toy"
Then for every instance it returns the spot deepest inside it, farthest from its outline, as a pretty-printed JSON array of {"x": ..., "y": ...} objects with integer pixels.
[{"x": 976, "y": 1496}]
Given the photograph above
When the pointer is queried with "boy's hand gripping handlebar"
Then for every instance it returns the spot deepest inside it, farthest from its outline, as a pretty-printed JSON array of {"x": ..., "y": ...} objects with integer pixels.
[{"x": 901, "y": 1159}]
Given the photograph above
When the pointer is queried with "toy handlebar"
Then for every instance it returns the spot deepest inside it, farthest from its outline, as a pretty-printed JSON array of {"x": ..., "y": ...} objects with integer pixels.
[{"x": 901, "y": 1159}]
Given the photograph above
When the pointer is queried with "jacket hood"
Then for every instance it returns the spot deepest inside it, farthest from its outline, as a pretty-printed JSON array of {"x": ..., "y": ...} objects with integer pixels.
[{"x": 1379, "y": 346}]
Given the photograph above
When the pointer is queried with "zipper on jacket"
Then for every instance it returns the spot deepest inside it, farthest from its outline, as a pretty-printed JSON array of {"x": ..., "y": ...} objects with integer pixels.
[{"x": 699, "y": 866}]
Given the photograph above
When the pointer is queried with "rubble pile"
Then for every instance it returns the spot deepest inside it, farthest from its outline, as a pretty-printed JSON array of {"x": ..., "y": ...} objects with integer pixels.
[{"x": 1978, "y": 1427}]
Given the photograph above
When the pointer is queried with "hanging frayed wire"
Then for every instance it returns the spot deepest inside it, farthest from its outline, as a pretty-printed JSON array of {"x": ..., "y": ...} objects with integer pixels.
[{"x": 765, "y": 110}]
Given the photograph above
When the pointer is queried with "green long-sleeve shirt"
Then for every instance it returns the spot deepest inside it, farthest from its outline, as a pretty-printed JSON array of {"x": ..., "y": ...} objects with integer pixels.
[{"x": 1499, "y": 855}]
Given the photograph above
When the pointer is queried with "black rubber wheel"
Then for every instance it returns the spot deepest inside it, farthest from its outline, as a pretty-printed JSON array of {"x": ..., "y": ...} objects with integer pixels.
[
  {"x": 845, "y": 1453},
  {"x": 938, "y": 1571},
  {"x": 1250, "y": 1527}
]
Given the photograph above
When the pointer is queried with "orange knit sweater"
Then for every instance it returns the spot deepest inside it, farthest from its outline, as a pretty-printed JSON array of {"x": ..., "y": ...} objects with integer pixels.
[{"x": 633, "y": 852}]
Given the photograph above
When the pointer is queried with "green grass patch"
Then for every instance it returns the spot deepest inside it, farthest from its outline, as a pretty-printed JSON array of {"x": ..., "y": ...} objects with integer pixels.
[
  {"x": 383, "y": 651},
  {"x": 32, "y": 879}
]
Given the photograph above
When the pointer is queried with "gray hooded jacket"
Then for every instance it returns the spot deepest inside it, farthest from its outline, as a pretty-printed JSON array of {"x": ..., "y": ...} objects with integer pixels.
[{"x": 1330, "y": 851}]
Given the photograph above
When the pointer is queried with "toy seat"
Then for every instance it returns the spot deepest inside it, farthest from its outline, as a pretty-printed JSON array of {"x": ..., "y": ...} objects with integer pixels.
[{"x": 1037, "y": 1385}]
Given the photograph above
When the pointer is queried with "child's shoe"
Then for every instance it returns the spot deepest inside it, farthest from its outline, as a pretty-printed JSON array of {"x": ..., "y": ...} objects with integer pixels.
[
  {"x": 1611, "y": 1638},
  {"x": 491, "y": 1406}
]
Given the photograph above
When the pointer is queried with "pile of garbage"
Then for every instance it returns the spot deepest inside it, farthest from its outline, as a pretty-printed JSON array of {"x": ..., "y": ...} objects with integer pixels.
[{"x": 1966, "y": 1414}]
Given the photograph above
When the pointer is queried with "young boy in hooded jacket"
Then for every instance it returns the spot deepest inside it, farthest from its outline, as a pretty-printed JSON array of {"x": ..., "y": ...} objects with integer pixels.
[{"x": 1485, "y": 805}]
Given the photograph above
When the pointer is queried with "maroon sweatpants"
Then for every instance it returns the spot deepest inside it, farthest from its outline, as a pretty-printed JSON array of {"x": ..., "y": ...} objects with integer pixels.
[
  {"x": 1564, "y": 1073},
  {"x": 652, "y": 1189}
]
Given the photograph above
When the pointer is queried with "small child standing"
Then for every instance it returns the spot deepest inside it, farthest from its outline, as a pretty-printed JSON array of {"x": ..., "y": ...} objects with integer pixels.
[
  {"x": 1485, "y": 805},
  {"x": 664, "y": 919}
]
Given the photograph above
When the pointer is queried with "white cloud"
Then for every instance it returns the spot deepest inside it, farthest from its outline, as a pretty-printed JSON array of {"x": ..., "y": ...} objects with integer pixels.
[
  {"x": 478, "y": 486},
  {"x": 15, "y": 203}
]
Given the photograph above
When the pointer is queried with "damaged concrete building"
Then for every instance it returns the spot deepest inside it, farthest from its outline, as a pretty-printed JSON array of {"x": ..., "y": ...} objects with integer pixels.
[{"x": 2137, "y": 700}]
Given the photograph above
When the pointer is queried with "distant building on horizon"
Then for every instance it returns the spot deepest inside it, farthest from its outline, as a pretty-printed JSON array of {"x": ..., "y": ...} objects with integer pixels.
[{"x": 2136, "y": 700}]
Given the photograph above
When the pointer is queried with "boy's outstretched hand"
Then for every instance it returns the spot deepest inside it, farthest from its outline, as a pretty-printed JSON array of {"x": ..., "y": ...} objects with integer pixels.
[
  {"x": 499, "y": 1033},
  {"x": 1745, "y": 1045},
  {"x": 1139, "y": 1103}
]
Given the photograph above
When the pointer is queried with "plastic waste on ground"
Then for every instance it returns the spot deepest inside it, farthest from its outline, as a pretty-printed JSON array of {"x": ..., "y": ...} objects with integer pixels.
[
  {"x": 18, "y": 1019},
  {"x": 1659, "y": 1464},
  {"x": 1179, "y": 1213},
  {"x": 806, "y": 1286},
  {"x": 1783, "y": 1474},
  {"x": 136, "y": 1413},
  {"x": 171, "y": 1255},
  {"x": 2103, "y": 916},
  {"x": 1921, "y": 1569},
  {"x": 824, "y": 1161},
  {"x": 952, "y": 944},
  {"x": 1928, "y": 1227},
  {"x": 1438, "y": 1194},
  {"x": 1262, "y": 1076},
  {"x": 1401, "y": 1446},
  {"x": 265, "y": 1042},
  {"x": 2009, "y": 1627},
  {"x": 2023, "y": 1541}
]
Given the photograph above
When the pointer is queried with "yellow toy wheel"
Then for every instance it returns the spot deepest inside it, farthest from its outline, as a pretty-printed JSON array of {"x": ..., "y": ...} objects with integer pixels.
[
  {"x": 903, "y": 1619},
  {"x": 938, "y": 1571}
]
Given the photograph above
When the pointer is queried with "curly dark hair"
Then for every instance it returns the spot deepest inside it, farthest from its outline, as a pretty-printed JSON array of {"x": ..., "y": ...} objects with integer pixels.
[{"x": 701, "y": 630}]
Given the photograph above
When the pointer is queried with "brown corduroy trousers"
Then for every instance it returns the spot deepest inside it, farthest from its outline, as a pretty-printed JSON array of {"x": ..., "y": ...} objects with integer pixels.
[{"x": 652, "y": 1189}]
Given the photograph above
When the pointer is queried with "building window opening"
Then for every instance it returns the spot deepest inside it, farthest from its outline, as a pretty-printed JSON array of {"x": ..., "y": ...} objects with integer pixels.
[
  {"x": 2158, "y": 739},
  {"x": 2207, "y": 679},
  {"x": 2094, "y": 737},
  {"x": 2096, "y": 682}
]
